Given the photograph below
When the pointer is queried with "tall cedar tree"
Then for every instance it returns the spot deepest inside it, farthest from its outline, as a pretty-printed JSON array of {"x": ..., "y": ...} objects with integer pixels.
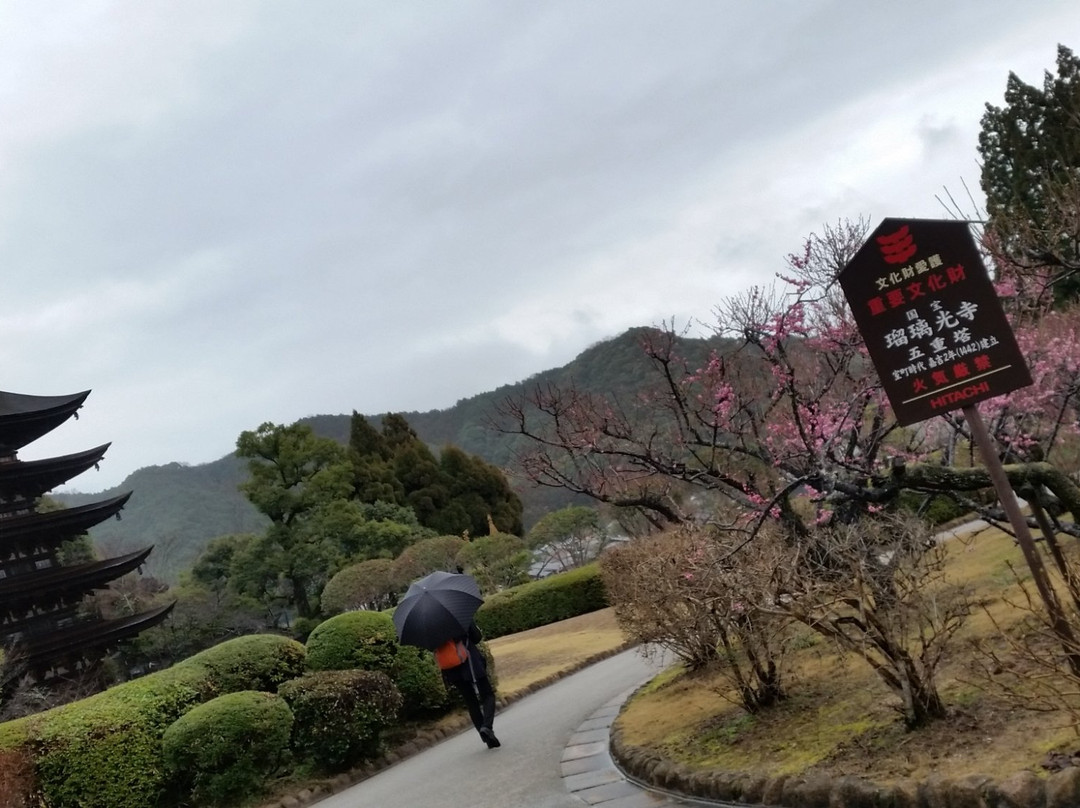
[
  {"x": 1030, "y": 150},
  {"x": 453, "y": 494}
]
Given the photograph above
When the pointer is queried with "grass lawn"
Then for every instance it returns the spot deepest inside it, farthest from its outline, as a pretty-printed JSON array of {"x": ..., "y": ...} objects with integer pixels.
[{"x": 523, "y": 659}]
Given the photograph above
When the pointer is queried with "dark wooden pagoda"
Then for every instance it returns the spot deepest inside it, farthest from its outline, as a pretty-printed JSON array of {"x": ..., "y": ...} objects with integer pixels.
[{"x": 43, "y": 627}]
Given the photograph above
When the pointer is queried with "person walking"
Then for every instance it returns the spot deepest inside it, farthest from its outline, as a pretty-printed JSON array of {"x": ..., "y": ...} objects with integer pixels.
[{"x": 465, "y": 669}]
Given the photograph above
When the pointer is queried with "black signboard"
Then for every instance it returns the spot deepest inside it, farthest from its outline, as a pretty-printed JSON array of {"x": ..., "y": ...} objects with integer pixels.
[{"x": 931, "y": 320}]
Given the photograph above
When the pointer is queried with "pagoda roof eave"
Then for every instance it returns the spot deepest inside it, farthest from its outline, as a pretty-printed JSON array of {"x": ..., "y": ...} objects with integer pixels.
[
  {"x": 77, "y": 577},
  {"x": 65, "y": 522},
  {"x": 25, "y": 418},
  {"x": 94, "y": 635},
  {"x": 32, "y": 478}
]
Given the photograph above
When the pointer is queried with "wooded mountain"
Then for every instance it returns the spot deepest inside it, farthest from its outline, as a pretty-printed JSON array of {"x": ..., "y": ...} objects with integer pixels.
[{"x": 178, "y": 508}]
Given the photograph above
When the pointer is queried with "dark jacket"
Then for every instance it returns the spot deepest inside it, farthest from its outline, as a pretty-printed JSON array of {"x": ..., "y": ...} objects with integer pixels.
[{"x": 476, "y": 666}]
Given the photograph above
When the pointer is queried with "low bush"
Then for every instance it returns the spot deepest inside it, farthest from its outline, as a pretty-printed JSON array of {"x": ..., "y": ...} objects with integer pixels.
[
  {"x": 417, "y": 677},
  {"x": 538, "y": 603},
  {"x": 367, "y": 641},
  {"x": 105, "y": 751},
  {"x": 222, "y": 751},
  {"x": 364, "y": 640},
  {"x": 339, "y": 716},
  {"x": 252, "y": 662}
]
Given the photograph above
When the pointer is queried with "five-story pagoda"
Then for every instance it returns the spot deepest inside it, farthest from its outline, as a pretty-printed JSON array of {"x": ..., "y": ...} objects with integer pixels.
[{"x": 43, "y": 628}]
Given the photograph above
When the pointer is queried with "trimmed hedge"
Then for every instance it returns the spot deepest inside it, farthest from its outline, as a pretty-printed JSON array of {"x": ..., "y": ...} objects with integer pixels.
[
  {"x": 105, "y": 751},
  {"x": 223, "y": 751},
  {"x": 252, "y": 662},
  {"x": 538, "y": 603},
  {"x": 417, "y": 677},
  {"x": 340, "y": 716},
  {"x": 367, "y": 641}
]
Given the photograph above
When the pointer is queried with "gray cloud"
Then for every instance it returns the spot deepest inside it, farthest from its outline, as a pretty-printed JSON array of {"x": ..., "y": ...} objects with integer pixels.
[{"x": 220, "y": 214}]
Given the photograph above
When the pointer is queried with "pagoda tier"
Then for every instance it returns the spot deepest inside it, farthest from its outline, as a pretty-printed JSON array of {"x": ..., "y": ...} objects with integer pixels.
[
  {"x": 21, "y": 595},
  {"x": 70, "y": 648},
  {"x": 23, "y": 481},
  {"x": 30, "y": 535},
  {"x": 24, "y": 419},
  {"x": 44, "y": 625}
]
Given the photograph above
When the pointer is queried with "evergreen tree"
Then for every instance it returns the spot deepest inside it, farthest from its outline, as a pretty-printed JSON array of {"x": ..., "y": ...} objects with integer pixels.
[
  {"x": 1030, "y": 150},
  {"x": 371, "y": 458}
]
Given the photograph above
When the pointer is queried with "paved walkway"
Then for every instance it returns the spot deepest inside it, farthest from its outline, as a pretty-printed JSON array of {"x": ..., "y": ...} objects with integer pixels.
[{"x": 590, "y": 774}]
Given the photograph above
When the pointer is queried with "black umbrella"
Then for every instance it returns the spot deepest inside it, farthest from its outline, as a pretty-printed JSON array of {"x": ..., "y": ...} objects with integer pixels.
[{"x": 437, "y": 608}]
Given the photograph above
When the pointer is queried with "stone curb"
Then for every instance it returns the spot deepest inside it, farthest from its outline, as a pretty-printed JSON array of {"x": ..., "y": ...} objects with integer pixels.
[{"x": 423, "y": 739}]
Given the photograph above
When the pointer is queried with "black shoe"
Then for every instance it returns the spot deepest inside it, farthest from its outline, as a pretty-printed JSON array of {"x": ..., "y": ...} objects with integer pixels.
[{"x": 489, "y": 737}]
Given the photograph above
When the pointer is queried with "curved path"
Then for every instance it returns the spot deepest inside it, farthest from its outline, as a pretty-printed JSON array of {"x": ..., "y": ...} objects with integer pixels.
[{"x": 554, "y": 753}]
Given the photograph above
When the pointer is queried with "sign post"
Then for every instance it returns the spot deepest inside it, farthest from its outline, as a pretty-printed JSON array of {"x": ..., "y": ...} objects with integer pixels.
[{"x": 939, "y": 340}]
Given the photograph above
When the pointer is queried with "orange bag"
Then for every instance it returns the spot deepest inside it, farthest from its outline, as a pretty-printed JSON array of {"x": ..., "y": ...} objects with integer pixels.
[{"x": 451, "y": 654}]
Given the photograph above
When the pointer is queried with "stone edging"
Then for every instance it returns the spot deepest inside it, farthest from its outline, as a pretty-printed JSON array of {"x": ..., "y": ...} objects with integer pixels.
[
  {"x": 1022, "y": 790},
  {"x": 423, "y": 739}
]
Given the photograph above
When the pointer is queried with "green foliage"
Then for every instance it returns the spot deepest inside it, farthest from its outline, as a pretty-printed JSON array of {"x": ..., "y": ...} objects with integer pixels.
[
  {"x": 539, "y": 603},
  {"x": 301, "y": 482},
  {"x": 213, "y": 567},
  {"x": 478, "y": 496},
  {"x": 292, "y": 470},
  {"x": 367, "y": 585},
  {"x": 365, "y": 640},
  {"x": 79, "y": 550},
  {"x": 1030, "y": 150},
  {"x": 304, "y": 484},
  {"x": 200, "y": 619},
  {"x": 418, "y": 678},
  {"x": 373, "y": 474},
  {"x": 340, "y": 716},
  {"x": 105, "y": 751},
  {"x": 427, "y": 555},
  {"x": 254, "y": 662},
  {"x": 453, "y": 494},
  {"x": 496, "y": 561},
  {"x": 936, "y": 509},
  {"x": 223, "y": 750},
  {"x": 567, "y": 538},
  {"x": 558, "y": 526}
]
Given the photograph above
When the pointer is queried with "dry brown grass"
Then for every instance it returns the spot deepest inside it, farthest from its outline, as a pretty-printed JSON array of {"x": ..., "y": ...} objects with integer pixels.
[
  {"x": 839, "y": 718},
  {"x": 528, "y": 657}
]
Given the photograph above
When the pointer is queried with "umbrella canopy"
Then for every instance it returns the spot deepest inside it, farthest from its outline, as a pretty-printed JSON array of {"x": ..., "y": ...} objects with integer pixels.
[{"x": 437, "y": 608}]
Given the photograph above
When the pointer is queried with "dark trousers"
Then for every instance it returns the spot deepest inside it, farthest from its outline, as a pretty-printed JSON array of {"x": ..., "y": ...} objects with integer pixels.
[{"x": 479, "y": 701}]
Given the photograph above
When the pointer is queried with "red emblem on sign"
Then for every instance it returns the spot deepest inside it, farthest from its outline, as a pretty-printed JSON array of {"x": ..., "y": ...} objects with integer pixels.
[{"x": 897, "y": 247}]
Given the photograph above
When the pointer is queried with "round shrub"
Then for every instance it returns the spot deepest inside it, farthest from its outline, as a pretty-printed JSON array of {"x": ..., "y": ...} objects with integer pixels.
[
  {"x": 339, "y": 716},
  {"x": 417, "y": 677},
  {"x": 223, "y": 750},
  {"x": 253, "y": 662},
  {"x": 353, "y": 640},
  {"x": 363, "y": 585},
  {"x": 367, "y": 640}
]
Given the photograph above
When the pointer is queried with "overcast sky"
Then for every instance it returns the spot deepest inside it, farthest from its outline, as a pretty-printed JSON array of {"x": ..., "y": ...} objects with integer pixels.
[{"x": 215, "y": 214}]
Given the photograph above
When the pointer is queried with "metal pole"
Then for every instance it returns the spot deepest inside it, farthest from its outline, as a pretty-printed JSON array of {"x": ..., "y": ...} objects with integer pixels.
[{"x": 1019, "y": 524}]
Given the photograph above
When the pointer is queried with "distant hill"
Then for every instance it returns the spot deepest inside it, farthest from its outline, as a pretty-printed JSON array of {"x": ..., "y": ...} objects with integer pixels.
[{"x": 179, "y": 508}]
